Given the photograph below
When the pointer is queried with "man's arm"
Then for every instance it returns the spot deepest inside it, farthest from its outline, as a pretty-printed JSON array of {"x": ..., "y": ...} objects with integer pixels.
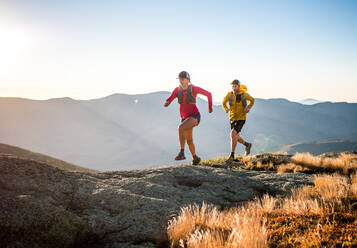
[
  {"x": 251, "y": 101},
  {"x": 224, "y": 103}
]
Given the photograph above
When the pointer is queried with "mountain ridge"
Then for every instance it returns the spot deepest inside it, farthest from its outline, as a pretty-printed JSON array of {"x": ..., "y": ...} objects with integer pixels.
[
  {"x": 321, "y": 146},
  {"x": 165, "y": 92},
  {"x": 124, "y": 131}
]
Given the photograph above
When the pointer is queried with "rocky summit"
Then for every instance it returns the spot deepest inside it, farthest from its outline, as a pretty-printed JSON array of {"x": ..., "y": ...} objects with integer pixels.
[{"x": 45, "y": 206}]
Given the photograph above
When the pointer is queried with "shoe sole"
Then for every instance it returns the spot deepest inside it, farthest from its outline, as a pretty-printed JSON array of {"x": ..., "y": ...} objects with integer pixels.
[{"x": 179, "y": 159}]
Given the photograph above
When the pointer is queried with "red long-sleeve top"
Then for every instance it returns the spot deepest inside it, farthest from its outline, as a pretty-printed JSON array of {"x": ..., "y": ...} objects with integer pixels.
[{"x": 187, "y": 109}]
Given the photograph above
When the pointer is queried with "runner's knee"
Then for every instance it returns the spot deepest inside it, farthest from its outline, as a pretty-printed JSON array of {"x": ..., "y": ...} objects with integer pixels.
[
  {"x": 190, "y": 142},
  {"x": 233, "y": 133},
  {"x": 180, "y": 128}
]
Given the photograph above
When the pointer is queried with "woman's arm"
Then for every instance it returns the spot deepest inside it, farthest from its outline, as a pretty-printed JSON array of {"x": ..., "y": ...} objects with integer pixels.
[
  {"x": 207, "y": 94},
  {"x": 171, "y": 98}
]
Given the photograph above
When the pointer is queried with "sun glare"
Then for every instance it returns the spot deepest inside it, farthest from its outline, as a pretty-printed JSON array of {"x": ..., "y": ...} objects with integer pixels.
[{"x": 13, "y": 40}]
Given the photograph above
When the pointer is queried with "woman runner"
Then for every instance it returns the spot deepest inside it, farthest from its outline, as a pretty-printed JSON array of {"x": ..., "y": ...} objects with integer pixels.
[{"x": 186, "y": 94}]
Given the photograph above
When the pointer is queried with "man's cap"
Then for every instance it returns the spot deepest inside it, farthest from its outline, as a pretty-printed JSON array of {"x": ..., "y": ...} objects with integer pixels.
[
  {"x": 184, "y": 74},
  {"x": 235, "y": 81}
]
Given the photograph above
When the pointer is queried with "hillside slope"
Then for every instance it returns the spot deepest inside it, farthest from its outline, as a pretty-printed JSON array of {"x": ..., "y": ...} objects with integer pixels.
[
  {"x": 66, "y": 129},
  {"x": 26, "y": 154},
  {"x": 321, "y": 146}
]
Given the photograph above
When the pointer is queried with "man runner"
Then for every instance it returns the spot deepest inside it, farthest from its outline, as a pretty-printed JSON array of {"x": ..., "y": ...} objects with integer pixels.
[{"x": 238, "y": 110}]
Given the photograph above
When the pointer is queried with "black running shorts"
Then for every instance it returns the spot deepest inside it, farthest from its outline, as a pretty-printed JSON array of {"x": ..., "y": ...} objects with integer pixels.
[
  {"x": 237, "y": 125},
  {"x": 196, "y": 116}
]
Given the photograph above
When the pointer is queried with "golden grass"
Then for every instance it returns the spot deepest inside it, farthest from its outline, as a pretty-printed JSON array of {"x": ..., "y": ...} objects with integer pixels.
[
  {"x": 303, "y": 218},
  {"x": 259, "y": 166},
  {"x": 205, "y": 226},
  {"x": 312, "y": 216},
  {"x": 330, "y": 187},
  {"x": 306, "y": 158},
  {"x": 291, "y": 206},
  {"x": 218, "y": 160},
  {"x": 247, "y": 159},
  {"x": 212, "y": 161},
  {"x": 207, "y": 239},
  {"x": 354, "y": 187},
  {"x": 301, "y": 162},
  {"x": 343, "y": 163},
  {"x": 289, "y": 168}
]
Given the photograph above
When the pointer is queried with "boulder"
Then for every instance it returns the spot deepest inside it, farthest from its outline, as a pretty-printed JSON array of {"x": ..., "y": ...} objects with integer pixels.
[{"x": 44, "y": 206}]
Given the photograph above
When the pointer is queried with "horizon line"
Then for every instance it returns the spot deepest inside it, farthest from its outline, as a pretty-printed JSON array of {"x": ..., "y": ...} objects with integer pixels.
[{"x": 155, "y": 92}]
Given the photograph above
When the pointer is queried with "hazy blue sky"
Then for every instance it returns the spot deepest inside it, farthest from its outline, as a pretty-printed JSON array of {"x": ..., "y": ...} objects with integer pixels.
[{"x": 90, "y": 49}]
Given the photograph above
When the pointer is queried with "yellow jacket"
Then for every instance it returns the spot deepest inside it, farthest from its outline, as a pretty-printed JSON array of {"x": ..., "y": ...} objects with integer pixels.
[{"x": 236, "y": 111}]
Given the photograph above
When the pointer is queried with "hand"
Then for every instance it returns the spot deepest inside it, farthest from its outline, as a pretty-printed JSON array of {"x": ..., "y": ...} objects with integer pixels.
[
  {"x": 210, "y": 110},
  {"x": 246, "y": 109},
  {"x": 227, "y": 110},
  {"x": 166, "y": 104}
]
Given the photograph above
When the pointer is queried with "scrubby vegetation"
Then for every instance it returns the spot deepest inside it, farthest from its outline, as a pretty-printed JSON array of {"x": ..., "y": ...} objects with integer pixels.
[
  {"x": 322, "y": 215},
  {"x": 342, "y": 163}
]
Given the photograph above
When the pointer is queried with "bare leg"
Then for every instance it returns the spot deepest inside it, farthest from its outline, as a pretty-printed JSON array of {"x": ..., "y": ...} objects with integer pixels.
[
  {"x": 235, "y": 137},
  {"x": 233, "y": 140},
  {"x": 240, "y": 139},
  {"x": 189, "y": 140},
  {"x": 187, "y": 124},
  {"x": 182, "y": 138}
]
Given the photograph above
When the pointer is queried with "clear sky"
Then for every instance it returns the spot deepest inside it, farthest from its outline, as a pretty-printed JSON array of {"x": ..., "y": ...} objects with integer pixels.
[{"x": 90, "y": 49}]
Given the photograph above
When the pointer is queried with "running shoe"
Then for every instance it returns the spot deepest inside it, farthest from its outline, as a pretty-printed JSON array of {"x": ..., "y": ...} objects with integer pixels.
[
  {"x": 247, "y": 149},
  {"x": 196, "y": 160},
  {"x": 180, "y": 156}
]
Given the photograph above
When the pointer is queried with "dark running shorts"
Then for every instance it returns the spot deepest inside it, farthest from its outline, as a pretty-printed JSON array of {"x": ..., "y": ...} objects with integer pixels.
[
  {"x": 196, "y": 116},
  {"x": 237, "y": 125}
]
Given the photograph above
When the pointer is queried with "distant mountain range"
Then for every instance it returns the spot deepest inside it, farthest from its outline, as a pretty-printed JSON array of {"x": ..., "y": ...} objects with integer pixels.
[
  {"x": 135, "y": 131},
  {"x": 322, "y": 146},
  {"x": 309, "y": 101}
]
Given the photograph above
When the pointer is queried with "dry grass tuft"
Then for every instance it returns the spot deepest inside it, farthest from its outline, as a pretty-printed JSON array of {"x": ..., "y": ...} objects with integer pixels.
[
  {"x": 331, "y": 187},
  {"x": 207, "y": 239},
  {"x": 219, "y": 160},
  {"x": 247, "y": 159},
  {"x": 205, "y": 226},
  {"x": 344, "y": 163},
  {"x": 259, "y": 166},
  {"x": 306, "y": 158},
  {"x": 311, "y": 216},
  {"x": 189, "y": 217},
  {"x": 286, "y": 168},
  {"x": 354, "y": 187},
  {"x": 293, "y": 206},
  {"x": 213, "y": 161}
]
